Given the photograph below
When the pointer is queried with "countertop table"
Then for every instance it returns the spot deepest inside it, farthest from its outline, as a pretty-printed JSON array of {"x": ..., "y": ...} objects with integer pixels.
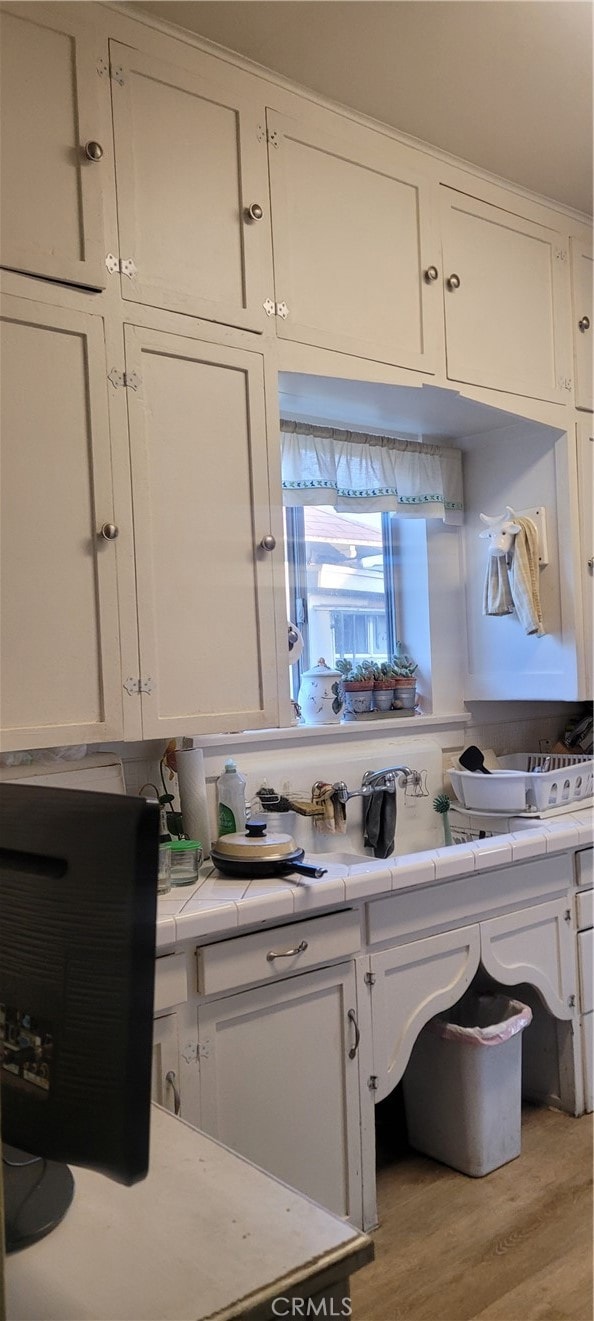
[{"x": 205, "y": 1235}]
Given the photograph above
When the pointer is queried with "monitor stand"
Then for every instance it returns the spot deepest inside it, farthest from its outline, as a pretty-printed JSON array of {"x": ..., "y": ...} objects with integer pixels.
[{"x": 37, "y": 1194}]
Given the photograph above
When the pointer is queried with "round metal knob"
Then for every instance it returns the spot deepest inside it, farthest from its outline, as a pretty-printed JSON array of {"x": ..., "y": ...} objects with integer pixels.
[
  {"x": 254, "y": 212},
  {"x": 268, "y": 542},
  {"x": 431, "y": 273},
  {"x": 453, "y": 281},
  {"x": 584, "y": 324},
  {"x": 93, "y": 151},
  {"x": 109, "y": 531}
]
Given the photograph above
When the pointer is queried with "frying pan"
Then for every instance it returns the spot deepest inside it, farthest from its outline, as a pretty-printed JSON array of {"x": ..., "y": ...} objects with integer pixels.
[{"x": 253, "y": 853}]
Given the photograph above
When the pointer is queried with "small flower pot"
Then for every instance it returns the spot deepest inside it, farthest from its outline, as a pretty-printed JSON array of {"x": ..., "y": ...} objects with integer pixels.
[
  {"x": 358, "y": 696},
  {"x": 383, "y": 694},
  {"x": 405, "y": 691}
]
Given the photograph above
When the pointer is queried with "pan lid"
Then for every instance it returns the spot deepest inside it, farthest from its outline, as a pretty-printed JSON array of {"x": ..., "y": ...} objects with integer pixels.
[{"x": 254, "y": 844}]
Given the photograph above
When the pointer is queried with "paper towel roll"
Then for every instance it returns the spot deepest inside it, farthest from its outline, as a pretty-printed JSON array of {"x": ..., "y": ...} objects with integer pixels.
[{"x": 192, "y": 795}]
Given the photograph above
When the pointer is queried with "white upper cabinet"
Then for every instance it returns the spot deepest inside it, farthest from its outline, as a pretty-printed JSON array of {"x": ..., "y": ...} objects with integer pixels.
[
  {"x": 201, "y": 508},
  {"x": 506, "y": 292},
  {"x": 582, "y": 274},
  {"x": 60, "y": 652},
  {"x": 354, "y": 250},
  {"x": 190, "y": 163},
  {"x": 51, "y": 208}
]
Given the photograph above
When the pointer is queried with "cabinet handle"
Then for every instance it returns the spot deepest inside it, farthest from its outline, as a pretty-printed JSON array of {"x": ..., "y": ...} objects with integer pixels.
[
  {"x": 93, "y": 151},
  {"x": 453, "y": 281},
  {"x": 584, "y": 324},
  {"x": 268, "y": 542},
  {"x": 287, "y": 953},
  {"x": 109, "y": 531},
  {"x": 253, "y": 212},
  {"x": 171, "y": 1079},
  {"x": 353, "y": 1019},
  {"x": 431, "y": 274}
]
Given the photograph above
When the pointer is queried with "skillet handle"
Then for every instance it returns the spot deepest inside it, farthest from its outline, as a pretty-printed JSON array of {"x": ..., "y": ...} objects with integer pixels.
[{"x": 305, "y": 870}]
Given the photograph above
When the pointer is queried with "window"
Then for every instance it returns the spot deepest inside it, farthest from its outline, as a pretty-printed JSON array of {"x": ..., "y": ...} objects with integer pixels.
[{"x": 340, "y": 585}]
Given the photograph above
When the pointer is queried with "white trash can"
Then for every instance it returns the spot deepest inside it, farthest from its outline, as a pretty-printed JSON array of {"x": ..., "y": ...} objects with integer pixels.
[{"x": 463, "y": 1084}]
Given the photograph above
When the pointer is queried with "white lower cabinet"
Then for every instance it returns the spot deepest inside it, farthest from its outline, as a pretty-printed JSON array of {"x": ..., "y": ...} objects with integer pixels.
[
  {"x": 279, "y": 1082},
  {"x": 588, "y": 1054},
  {"x": 534, "y": 945},
  {"x": 412, "y": 983}
]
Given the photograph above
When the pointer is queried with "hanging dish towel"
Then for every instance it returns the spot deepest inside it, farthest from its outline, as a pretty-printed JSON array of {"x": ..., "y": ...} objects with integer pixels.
[
  {"x": 332, "y": 820},
  {"x": 524, "y": 577},
  {"x": 380, "y": 823},
  {"x": 497, "y": 597}
]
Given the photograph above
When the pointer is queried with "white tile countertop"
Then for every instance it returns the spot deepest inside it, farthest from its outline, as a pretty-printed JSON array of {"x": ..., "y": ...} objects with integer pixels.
[{"x": 216, "y": 905}]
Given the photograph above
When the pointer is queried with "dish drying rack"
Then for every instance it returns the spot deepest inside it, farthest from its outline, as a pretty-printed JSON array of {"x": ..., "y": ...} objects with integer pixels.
[{"x": 527, "y": 785}]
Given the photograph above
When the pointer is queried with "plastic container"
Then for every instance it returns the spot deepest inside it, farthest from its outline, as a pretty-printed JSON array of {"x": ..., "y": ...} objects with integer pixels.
[
  {"x": 231, "y": 800},
  {"x": 186, "y": 856},
  {"x": 463, "y": 1085},
  {"x": 527, "y": 781}
]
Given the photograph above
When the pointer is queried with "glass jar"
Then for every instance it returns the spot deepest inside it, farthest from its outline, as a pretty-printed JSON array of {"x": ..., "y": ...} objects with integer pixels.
[
  {"x": 186, "y": 856},
  {"x": 164, "y": 872}
]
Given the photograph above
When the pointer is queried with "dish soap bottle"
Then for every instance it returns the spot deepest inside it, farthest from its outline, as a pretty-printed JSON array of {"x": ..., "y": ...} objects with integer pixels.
[{"x": 231, "y": 799}]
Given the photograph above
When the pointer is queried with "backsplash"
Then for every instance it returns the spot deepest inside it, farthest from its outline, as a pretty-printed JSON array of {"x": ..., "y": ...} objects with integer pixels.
[{"x": 504, "y": 727}]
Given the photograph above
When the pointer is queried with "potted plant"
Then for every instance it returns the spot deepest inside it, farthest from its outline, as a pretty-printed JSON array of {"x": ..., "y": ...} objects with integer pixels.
[
  {"x": 405, "y": 684},
  {"x": 383, "y": 691},
  {"x": 357, "y": 684}
]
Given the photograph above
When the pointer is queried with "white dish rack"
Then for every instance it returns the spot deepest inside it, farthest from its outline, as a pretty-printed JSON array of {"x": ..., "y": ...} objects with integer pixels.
[{"x": 528, "y": 783}]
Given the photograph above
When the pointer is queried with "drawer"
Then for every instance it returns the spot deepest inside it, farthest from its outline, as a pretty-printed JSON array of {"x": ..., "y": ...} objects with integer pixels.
[
  {"x": 267, "y": 955},
  {"x": 469, "y": 899},
  {"x": 585, "y": 909},
  {"x": 584, "y": 866},
  {"x": 586, "y": 964},
  {"x": 171, "y": 982}
]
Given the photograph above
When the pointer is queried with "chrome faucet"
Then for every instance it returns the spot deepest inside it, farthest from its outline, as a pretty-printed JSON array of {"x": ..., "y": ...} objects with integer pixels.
[{"x": 374, "y": 782}]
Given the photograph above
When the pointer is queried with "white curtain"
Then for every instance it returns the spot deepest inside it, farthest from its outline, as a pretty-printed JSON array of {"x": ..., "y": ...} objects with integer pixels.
[{"x": 354, "y": 471}]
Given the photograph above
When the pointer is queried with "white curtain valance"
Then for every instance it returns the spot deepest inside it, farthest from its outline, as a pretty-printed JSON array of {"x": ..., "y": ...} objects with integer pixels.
[{"x": 356, "y": 472}]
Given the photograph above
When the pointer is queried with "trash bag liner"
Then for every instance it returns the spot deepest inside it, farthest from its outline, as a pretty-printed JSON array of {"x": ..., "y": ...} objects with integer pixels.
[{"x": 482, "y": 1020}]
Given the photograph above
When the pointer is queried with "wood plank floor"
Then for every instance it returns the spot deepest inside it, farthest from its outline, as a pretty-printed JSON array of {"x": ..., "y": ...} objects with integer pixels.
[{"x": 515, "y": 1245}]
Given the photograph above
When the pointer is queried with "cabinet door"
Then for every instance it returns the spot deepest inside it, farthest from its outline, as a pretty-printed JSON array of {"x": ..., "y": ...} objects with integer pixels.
[
  {"x": 413, "y": 983},
  {"x": 582, "y": 269},
  {"x": 279, "y": 1082},
  {"x": 165, "y": 1080},
  {"x": 60, "y": 654},
  {"x": 585, "y": 460},
  {"x": 506, "y": 291},
  {"x": 189, "y": 164},
  {"x": 352, "y": 229},
  {"x": 201, "y": 508},
  {"x": 535, "y": 945},
  {"x": 51, "y": 213}
]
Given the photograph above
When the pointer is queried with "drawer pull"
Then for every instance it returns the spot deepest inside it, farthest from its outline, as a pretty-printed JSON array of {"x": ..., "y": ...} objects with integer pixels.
[
  {"x": 353, "y": 1019},
  {"x": 171, "y": 1079},
  {"x": 287, "y": 953}
]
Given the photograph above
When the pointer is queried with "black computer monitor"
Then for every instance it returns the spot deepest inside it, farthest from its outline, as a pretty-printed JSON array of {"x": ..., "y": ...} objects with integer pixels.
[{"x": 78, "y": 897}]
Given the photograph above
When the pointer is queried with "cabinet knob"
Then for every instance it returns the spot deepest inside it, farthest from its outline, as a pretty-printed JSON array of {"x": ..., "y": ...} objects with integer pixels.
[
  {"x": 268, "y": 542},
  {"x": 431, "y": 274},
  {"x": 584, "y": 324},
  {"x": 253, "y": 212},
  {"x": 110, "y": 531},
  {"x": 591, "y": 562},
  {"x": 453, "y": 281},
  {"x": 93, "y": 151}
]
